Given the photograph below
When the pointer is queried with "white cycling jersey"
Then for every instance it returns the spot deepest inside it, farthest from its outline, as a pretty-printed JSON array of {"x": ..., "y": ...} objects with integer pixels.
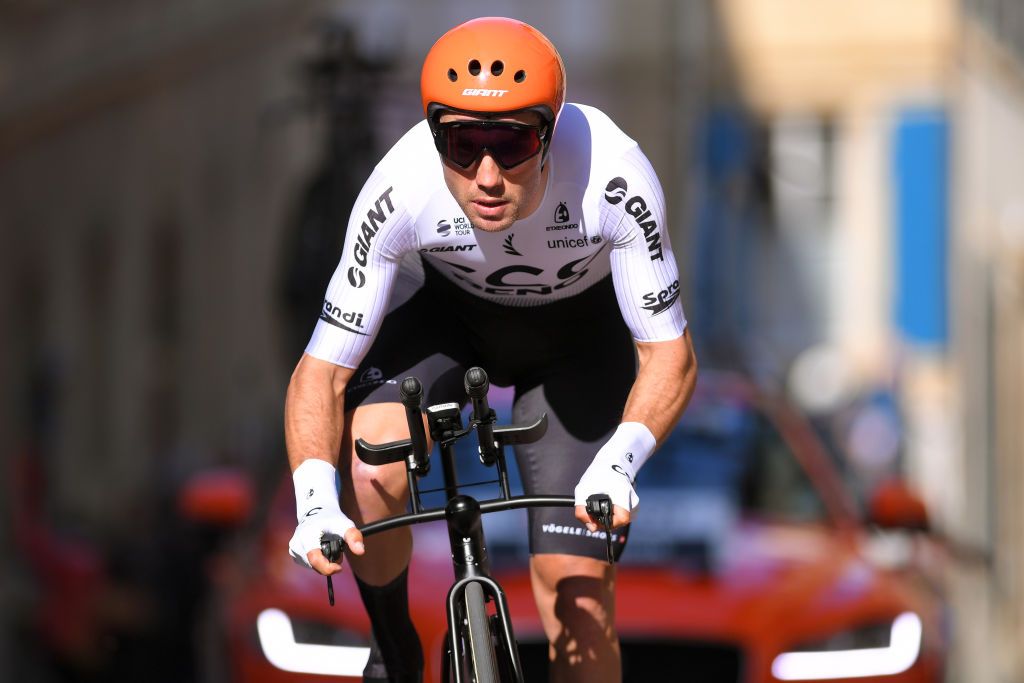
[{"x": 603, "y": 211}]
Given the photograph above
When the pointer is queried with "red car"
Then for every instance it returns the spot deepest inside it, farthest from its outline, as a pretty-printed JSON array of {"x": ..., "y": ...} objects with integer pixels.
[{"x": 748, "y": 562}]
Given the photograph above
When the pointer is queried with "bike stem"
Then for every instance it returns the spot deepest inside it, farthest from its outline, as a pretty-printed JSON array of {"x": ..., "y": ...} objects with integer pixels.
[{"x": 466, "y": 537}]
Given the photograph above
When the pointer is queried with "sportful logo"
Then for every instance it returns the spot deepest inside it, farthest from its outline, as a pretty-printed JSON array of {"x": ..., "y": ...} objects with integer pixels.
[
  {"x": 661, "y": 301},
  {"x": 484, "y": 92},
  {"x": 636, "y": 207},
  {"x": 332, "y": 315},
  {"x": 561, "y": 213},
  {"x": 375, "y": 218},
  {"x": 371, "y": 374},
  {"x": 443, "y": 228},
  {"x": 509, "y": 249},
  {"x": 615, "y": 191}
]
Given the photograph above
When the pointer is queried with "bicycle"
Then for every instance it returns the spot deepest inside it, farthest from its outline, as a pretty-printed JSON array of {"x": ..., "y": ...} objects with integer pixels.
[{"x": 479, "y": 648}]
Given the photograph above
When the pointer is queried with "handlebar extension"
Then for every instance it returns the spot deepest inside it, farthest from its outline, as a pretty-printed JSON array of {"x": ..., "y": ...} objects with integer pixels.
[{"x": 477, "y": 385}]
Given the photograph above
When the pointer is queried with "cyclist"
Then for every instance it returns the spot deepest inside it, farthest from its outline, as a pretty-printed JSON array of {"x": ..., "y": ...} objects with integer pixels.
[{"x": 517, "y": 232}]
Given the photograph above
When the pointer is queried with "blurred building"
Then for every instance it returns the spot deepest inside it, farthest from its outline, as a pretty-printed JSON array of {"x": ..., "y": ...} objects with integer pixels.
[
  {"x": 144, "y": 186},
  {"x": 988, "y": 306},
  {"x": 894, "y": 154}
]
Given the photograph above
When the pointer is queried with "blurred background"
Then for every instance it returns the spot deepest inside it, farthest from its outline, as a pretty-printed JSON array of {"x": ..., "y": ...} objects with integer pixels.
[{"x": 845, "y": 183}]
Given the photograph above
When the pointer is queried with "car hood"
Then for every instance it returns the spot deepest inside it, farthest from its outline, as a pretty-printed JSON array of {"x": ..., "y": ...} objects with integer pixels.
[{"x": 774, "y": 584}]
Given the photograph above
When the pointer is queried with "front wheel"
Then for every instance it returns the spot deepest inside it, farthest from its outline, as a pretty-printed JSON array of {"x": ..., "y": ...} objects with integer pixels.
[{"x": 482, "y": 660}]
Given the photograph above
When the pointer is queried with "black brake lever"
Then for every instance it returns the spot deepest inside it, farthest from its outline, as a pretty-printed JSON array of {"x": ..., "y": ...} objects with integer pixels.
[
  {"x": 332, "y": 546},
  {"x": 599, "y": 507}
]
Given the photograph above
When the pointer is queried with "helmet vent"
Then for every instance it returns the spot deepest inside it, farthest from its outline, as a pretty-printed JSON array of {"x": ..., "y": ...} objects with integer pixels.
[
  {"x": 520, "y": 76},
  {"x": 497, "y": 67},
  {"x": 474, "y": 68},
  {"x": 452, "y": 76}
]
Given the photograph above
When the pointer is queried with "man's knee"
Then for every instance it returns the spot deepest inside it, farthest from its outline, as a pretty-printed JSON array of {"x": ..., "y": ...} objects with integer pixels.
[
  {"x": 579, "y": 590},
  {"x": 369, "y": 491}
]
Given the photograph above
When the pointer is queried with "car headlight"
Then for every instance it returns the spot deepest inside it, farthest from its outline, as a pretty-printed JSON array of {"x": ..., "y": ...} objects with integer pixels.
[
  {"x": 857, "y": 653},
  {"x": 277, "y": 638}
]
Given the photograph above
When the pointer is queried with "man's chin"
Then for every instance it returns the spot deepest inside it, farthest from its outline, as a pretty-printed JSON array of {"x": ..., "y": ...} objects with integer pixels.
[{"x": 491, "y": 224}]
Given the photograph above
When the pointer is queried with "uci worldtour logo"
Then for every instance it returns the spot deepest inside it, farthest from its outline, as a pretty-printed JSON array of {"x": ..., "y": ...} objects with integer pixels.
[
  {"x": 443, "y": 228},
  {"x": 375, "y": 219},
  {"x": 636, "y": 207},
  {"x": 332, "y": 315}
]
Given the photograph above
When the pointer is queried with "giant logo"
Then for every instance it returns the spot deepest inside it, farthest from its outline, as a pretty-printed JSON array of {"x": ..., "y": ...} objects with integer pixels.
[
  {"x": 661, "y": 301},
  {"x": 636, "y": 207},
  {"x": 615, "y": 191},
  {"x": 375, "y": 219}
]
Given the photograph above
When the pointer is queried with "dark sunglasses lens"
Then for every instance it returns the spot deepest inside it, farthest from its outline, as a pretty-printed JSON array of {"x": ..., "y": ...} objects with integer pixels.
[{"x": 509, "y": 145}]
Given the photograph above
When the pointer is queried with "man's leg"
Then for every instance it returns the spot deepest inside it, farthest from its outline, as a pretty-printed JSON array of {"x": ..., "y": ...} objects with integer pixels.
[
  {"x": 370, "y": 493},
  {"x": 576, "y": 600}
]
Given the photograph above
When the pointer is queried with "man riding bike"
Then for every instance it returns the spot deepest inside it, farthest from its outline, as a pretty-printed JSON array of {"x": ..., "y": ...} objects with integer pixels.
[{"x": 533, "y": 228}]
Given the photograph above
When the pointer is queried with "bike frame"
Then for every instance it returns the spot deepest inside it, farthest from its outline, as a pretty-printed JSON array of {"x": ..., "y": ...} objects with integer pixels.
[{"x": 462, "y": 513}]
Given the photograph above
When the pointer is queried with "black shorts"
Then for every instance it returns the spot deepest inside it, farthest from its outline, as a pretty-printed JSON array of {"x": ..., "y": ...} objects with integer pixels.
[{"x": 573, "y": 359}]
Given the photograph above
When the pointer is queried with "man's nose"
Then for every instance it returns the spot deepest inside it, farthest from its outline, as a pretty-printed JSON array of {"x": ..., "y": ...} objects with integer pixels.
[{"x": 488, "y": 173}]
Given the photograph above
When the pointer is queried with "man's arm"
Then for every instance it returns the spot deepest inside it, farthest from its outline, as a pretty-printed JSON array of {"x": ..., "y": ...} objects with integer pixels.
[
  {"x": 314, "y": 410},
  {"x": 664, "y": 383},
  {"x": 313, "y": 423}
]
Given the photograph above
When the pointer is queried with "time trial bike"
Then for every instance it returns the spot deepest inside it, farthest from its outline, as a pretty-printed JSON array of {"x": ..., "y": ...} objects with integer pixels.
[{"x": 480, "y": 646}]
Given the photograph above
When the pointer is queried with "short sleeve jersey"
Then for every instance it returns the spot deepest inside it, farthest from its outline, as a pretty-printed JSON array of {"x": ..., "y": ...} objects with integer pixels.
[{"x": 603, "y": 211}]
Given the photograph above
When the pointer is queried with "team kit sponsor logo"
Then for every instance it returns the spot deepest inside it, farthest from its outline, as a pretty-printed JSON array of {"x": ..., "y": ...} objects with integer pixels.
[
  {"x": 523, "y": 279},
  {"x": 375, "y": 219},
  {"x": 575, "y": 530},
  {"x": 615, "y": 193},
  {"x": 448, "y": 247},
  {"x": 509, "y": 247},
  {"x": 484, "y": 92},
  {"x": 561, "y": 218},
  {"x": 573, "y": 242},
  {"x": 349, "y": 321},
  {"x": 371, "y": 376},
  {"x": 660, "y": 301}
]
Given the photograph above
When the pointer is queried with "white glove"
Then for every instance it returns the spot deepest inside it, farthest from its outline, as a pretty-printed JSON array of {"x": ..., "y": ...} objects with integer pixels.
[
  {"x": 316, "y": 508},
  {"x": 614, "y": 469}
]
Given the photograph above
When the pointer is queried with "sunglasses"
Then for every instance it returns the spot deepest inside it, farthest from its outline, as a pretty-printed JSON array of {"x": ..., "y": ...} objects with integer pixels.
[{"x": 462, "y": 142}]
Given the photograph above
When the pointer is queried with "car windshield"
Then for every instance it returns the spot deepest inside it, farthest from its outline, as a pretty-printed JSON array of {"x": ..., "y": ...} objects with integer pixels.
[{"x": 724, "y": 462}]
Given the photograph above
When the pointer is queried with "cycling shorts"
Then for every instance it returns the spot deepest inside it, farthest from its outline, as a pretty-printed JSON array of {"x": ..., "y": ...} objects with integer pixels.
[{"x": 573, "y": 359}]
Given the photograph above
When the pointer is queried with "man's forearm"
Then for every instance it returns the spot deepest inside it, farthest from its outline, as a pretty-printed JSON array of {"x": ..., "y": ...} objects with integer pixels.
[
  {"x": 665, "y": 381},
  {"x": 314, "y": 411}
]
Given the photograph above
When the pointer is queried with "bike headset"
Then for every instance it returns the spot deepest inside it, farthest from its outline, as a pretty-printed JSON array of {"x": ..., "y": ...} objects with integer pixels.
[{"x": 492, "y": 66}]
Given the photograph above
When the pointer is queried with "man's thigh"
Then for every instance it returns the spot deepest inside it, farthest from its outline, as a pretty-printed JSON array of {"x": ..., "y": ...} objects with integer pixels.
[{"x": 583, "y": 399}]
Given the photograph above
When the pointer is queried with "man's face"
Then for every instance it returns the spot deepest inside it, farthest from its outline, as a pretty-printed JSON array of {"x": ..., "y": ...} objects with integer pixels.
[{"x": 491, "y": 197}]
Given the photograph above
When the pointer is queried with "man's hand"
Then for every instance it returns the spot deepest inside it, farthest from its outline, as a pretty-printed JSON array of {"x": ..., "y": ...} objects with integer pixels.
[
  {"x": 304, "y": 546},
  {"x": 601, "y": 478},
  {"x": 613, "y": 473},
  {"x": 317, "y": 513}
]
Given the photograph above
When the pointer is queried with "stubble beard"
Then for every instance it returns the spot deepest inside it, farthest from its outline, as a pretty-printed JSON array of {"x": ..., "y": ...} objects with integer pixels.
[{"x": 501, "y": 227}]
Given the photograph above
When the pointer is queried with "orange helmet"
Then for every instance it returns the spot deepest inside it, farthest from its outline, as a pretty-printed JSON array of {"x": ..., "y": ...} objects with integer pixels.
[{"x": 493, "y": 65}]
